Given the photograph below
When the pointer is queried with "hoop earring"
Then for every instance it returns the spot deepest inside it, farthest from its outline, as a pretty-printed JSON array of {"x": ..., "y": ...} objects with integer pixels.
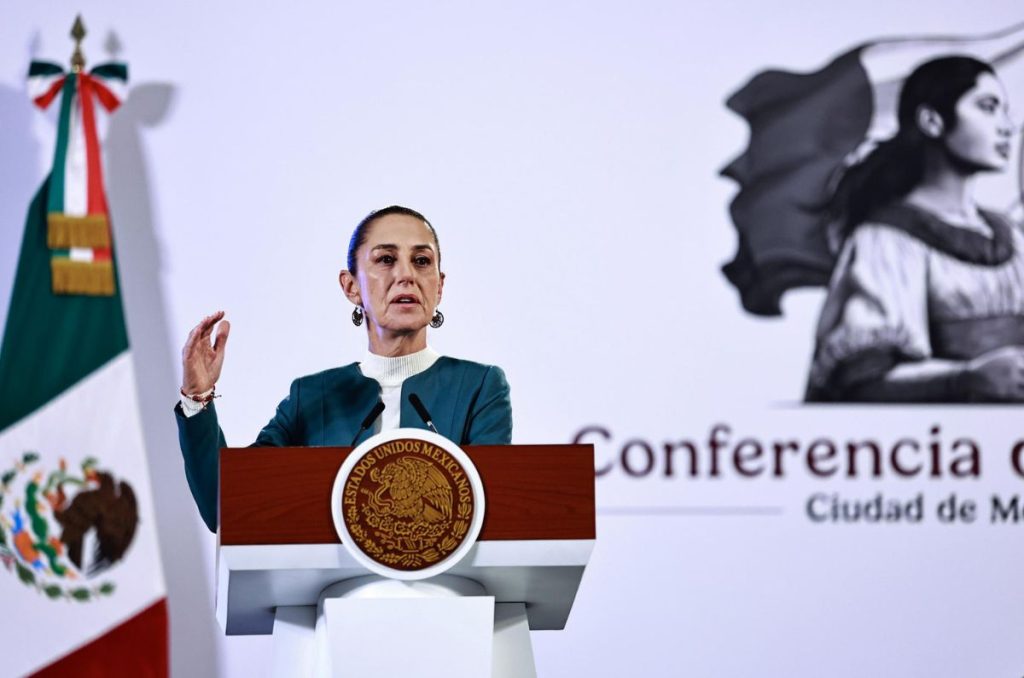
[
  {"x": 357, "y": 316},
  {"x": 437, "y": 320}
]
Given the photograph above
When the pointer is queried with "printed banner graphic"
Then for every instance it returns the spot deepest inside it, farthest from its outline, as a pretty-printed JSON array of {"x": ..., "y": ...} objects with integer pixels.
[{"x": 860, "y": 177}]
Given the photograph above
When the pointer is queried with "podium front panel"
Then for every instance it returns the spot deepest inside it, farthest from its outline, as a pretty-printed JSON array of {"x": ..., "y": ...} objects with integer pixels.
[{"x": 282, "y": 495}]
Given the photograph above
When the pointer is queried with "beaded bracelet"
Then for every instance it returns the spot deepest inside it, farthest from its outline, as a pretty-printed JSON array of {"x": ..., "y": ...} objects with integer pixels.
[{"x": 200, "y": 397}]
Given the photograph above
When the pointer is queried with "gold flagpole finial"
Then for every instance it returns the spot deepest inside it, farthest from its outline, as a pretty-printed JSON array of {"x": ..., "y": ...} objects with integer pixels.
[{"x": 78, "y": 32}]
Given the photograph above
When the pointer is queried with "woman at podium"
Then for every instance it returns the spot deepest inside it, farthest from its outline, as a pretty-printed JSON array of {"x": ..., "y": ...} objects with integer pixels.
[{"x": 394, "y": 280}]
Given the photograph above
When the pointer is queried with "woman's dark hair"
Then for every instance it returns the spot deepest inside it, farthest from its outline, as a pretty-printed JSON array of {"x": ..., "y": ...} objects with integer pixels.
[
  {"x": 363, "y": 228},
  {"x": 897, "y": 165}
]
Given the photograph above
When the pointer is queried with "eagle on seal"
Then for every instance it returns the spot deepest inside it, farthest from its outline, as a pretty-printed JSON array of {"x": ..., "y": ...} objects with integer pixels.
[{"x": 416, "y": 490}]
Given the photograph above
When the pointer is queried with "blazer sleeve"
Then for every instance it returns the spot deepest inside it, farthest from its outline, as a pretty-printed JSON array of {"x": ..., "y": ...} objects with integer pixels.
[
  {"x": 201, "y": 440},
  {"x": 490, "y": 421}
]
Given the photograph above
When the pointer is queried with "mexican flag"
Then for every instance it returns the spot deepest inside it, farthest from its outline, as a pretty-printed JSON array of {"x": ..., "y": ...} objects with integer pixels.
[{"x": 81, "y": 581}]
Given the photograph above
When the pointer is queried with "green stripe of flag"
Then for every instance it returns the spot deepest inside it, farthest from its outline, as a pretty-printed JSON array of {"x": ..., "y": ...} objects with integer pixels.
[{"x": 51, "y": 341}]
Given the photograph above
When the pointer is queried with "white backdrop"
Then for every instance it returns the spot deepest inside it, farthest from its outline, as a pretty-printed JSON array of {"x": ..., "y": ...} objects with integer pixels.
[{"x": 568, "y": 156}]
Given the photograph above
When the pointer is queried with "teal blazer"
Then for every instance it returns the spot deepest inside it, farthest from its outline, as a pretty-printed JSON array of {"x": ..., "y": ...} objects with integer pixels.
[{"x": 469, "y": 403}]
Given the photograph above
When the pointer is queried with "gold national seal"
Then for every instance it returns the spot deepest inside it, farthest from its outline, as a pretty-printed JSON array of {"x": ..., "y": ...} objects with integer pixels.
[{"x": 407, "y": 504}]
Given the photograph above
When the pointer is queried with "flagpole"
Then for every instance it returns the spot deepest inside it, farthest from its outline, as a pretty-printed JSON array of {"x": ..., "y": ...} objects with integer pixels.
[{"x": 78, "y": 33}]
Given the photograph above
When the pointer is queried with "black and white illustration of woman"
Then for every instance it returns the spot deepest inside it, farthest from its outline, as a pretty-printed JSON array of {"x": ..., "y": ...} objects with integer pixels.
[{"x": 926, "y": 300}]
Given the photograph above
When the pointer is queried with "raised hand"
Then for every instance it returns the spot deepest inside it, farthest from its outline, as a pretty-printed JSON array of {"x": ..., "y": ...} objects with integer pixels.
[{"x": 202, "y": 361}]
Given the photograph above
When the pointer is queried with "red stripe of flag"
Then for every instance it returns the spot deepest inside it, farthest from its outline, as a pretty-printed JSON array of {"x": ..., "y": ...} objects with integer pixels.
[{"x": 136, "y": 647}]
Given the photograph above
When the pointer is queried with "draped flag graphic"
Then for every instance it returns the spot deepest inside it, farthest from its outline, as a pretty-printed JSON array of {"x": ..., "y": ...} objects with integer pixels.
[
  {"x": 805, "y": 130},
  {"x": 81, "y": 581}
]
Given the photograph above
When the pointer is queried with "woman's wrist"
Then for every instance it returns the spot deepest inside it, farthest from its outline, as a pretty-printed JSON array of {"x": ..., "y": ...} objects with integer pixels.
[
  {"x": 194, "y": 403},
  {"x": 201, "y": 396}
]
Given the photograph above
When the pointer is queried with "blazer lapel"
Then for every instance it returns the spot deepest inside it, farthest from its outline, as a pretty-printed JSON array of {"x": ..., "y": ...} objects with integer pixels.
[
  {"x": 424, "y": 385},
  {"x": 349, "y": 398}
]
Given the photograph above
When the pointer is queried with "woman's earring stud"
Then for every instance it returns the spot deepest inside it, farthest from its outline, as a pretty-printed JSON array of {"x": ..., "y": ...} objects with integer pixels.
[{"x": 357, "y": 316}]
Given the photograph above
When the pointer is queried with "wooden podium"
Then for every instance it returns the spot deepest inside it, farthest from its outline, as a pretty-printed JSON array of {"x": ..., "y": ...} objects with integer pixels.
[{"x": 278, "y": 549}]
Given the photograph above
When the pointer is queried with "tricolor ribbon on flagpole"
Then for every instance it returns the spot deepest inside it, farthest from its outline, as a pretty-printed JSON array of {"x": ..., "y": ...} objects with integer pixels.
[{"x": 78, "y": 224}]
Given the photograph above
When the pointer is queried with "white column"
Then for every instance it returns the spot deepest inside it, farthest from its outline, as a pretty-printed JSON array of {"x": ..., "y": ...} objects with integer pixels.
[
  {"x": 442, "y": 627},
  {"x": 513, "y": 651},
  {"x": 294, "y": 646}
]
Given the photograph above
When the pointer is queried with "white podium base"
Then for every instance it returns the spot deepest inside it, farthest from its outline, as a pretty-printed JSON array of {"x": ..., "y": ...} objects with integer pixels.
[{"x": 445, "y": 626}]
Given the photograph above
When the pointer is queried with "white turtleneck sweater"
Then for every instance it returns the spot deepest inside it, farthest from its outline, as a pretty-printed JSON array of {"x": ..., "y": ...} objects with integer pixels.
[{"x": 388, "y": 372}]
